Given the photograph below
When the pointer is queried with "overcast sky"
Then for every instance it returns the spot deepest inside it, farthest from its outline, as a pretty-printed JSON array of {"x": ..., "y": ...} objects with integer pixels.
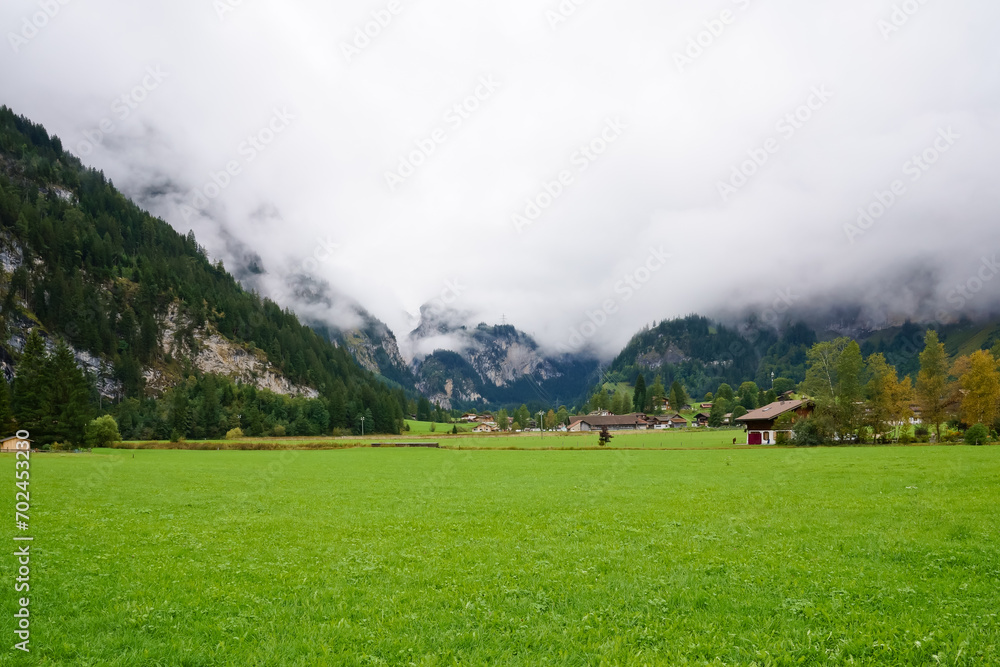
[{"x": 739, "y": 138}]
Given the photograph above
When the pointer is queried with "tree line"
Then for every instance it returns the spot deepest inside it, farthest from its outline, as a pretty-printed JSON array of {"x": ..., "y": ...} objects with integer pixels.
[{"x": 863, "y": 399}]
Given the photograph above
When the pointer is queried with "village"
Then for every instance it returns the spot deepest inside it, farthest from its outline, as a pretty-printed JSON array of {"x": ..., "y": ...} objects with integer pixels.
[{"x": 763, "y": 426}]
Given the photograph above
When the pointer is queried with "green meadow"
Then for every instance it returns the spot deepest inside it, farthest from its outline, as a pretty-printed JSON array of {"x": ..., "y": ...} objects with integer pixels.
[
  {"x": 864, "y": 556},
  {"x": 692, "y": 438}
]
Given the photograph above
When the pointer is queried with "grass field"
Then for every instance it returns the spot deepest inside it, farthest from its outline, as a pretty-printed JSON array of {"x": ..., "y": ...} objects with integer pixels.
[
  {"x": 694, "y": 438},
  {"x": 867, "y": 556},
  {"x": 425, "y": 428}
]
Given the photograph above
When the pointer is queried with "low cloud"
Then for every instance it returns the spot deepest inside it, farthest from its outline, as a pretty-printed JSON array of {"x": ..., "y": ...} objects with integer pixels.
[{"x": 273, "y": 81}]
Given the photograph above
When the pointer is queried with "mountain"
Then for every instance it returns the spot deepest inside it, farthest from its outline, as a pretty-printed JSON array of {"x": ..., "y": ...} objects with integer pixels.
[
  {"x": 372, "y": 344},
  {"x": 149, "y": 317},
  {"x": 702, "y": 353},
  {"x": 459, "y": 365},
  {"x": 698, "y": 352}
]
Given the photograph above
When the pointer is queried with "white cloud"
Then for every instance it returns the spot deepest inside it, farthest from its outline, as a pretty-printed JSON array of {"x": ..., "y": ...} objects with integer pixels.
[{"x": 323, "y": 175}]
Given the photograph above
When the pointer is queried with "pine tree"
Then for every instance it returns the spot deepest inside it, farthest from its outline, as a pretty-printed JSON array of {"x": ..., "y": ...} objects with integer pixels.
[
  {"x": 70, "y": 398},
  {"x": 30, "y": 398},
  {"x": 639, "y": 395},
  {"x": 208, "y": 419},
  {"x": 657, "y": 394},
  {"x": 932, "y": 382},
  {"x": 6, "y": 415},
  {"x": 716, "y": 415},
  {"x": 678, "y": 396}
]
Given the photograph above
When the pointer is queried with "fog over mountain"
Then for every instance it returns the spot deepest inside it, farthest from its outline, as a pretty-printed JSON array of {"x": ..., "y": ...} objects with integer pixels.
[{"x": 580, "y": 173}]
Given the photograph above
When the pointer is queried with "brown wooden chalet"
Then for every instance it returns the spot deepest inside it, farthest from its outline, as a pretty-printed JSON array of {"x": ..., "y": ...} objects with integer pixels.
[
  {"x": 760, "y": 423},
  {"x": 632, "y": 422}
]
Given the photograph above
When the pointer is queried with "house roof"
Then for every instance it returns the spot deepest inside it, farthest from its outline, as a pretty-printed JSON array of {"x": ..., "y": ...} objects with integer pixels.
[
  {"x": 611, "y": 420},
  {"x": 773, "y": 410}
]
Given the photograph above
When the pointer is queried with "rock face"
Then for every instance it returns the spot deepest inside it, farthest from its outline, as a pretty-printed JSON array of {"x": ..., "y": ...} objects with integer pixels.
[
  {"x": 210, "y": 353},
  {"x": 214, "y": 354},
  {"x": 372, "y": 344},
  {"x": 375, "y": 349},
  {"x": 459, "y": 365}
]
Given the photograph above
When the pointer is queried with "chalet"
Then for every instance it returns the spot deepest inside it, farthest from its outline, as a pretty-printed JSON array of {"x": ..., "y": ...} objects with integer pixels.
[
  {"x": 485, "y": 428},
  {"x": 706, "y": 406},
  {"x": 9, "y": 445},
  {"x": 679, "y": 422},
  {"x": 761, "y": 423},
  {"x": 468, "y": 417},
  {"x": 658, "y": 422},
  {"x": 632, "y": 422},
  {"x": 701, "y": 419},
  {"x": 485, "y": 418}
]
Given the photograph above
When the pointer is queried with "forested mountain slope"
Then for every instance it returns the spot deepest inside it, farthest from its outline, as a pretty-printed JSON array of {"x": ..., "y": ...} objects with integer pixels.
[{"x": 143, "y": 308}]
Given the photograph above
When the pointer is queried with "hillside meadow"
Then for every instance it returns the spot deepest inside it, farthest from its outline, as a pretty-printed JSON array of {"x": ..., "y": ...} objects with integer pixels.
[{"x": 866, "y": 556}]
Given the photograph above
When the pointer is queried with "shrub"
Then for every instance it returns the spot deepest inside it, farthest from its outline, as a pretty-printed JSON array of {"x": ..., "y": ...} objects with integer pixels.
[
  {"x": 278, "y": 431},
  {"x": 102, "y": 432},
  {"x": 977, "y": 435},
  {"x": 433, "y": 427},
  {"x": 811, "y": 432},
  {"x": 905, "y": 439},
  {"x": 922, "y": 431},
  {"x": 234, "y": 434}
]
